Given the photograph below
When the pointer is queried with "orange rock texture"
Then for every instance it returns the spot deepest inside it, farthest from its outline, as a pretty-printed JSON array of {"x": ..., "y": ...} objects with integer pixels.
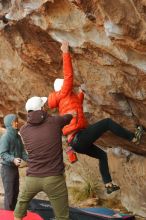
[{"x": 108, "y": 40}]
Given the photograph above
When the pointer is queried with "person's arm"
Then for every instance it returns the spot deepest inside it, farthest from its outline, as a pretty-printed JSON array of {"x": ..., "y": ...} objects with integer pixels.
[
  {"x": 24, "y": 153},
  {"x": 67, "y": 70},
  {"x": 81, "y": 96},
  {"x": 65, "y": 119},
  {"x": 52, "y": 100},
  {"x": 4, "y": 149}
]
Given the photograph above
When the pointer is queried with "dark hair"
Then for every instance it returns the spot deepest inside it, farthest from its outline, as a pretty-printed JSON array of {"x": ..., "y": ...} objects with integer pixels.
[
  {"x": 30, "y": 111},
  {"x": 4, "y": 19}
]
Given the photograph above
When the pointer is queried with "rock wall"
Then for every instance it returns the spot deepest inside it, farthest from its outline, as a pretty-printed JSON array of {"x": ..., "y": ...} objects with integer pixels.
[
  {"x": 108, "y": 43},
  {"x": 130, "y": 174}
]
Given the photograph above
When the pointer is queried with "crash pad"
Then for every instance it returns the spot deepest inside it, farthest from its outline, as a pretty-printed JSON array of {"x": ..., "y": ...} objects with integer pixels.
[
  {"x": 44, "y": 209},
  {"x": 9, "y": 215}
]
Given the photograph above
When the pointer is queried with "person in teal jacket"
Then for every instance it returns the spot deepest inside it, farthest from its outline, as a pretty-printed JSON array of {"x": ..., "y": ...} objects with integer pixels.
[{"x": 11, "y": 152}]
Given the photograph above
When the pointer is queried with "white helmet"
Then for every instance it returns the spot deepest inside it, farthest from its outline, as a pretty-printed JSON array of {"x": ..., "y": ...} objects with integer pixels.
[
  {"x": 35, "y": 103},
  {"x": 58, "y": 83}
]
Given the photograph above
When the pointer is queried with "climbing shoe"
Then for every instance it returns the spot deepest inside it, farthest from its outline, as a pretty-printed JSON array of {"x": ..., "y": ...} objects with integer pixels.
[
  {"x": 138, "y": 134},
  {"x": 111, "y": 188}
]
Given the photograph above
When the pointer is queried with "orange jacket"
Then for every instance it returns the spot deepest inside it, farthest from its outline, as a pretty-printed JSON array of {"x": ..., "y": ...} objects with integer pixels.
[{"x": 67, "y": 101}]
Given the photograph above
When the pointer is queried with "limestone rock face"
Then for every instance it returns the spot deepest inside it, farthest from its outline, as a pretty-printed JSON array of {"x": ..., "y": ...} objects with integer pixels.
[
  {"x": 108, "y": 40},
  {"x": 130, "y": 174}
]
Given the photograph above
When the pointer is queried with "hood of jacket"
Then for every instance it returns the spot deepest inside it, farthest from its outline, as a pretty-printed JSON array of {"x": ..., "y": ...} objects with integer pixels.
[
  {"x": 8, "y": 119},
  {"x": 37, "y": 117}
]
